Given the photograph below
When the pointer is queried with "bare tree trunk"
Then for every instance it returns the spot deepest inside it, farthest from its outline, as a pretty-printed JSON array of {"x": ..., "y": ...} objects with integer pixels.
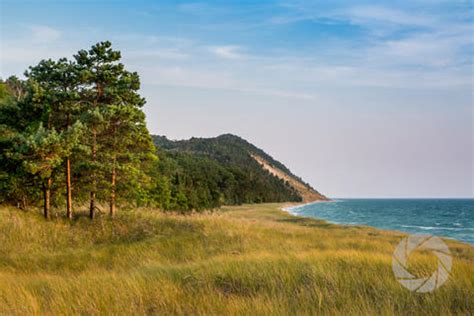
[
  {"x": 68, "y": 189},
  {"x": 68, "y": 179},
  {"x": 94, "y": 180},
  {"x": 92, "y": 206},
  {"x": 21, "y": 204},
  {"x": 47, "y": 186},
  {"x": 112, "y": 190},
  {"x": 47, "y": 198}
]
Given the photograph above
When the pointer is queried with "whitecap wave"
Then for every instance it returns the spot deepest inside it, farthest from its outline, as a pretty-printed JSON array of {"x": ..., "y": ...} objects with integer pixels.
[{"x": 440, "y": 228}]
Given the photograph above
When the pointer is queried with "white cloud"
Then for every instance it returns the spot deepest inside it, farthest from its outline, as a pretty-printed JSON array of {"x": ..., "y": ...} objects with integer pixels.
[
  {"x": 401, "y": 47},
  {"x": 414, "y": 60},
  {"x": 368, "y": 14},
  {"x": 227, "y": 51},
  {"x": 215, "y": 79},
  {"x": 44, "y": 34}
]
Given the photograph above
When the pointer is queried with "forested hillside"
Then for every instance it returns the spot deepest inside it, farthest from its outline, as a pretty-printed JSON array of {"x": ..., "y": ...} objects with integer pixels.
[
  {"x": 227, "y": 148},
  {"x": 223, "y": 170}
]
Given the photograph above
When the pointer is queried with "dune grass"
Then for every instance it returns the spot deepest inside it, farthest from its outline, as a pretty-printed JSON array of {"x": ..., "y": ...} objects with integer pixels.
[{"x": 252, "y": 259}]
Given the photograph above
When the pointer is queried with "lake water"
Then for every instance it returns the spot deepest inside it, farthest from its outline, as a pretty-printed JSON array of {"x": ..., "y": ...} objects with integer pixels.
[{"x": 451, "y": 218}]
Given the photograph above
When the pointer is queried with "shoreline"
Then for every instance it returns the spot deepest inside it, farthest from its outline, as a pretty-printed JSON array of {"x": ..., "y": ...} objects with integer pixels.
[{"x": 291, "y": 209}]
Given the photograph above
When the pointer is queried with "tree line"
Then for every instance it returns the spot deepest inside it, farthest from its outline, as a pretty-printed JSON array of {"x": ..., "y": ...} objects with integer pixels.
[
  {"x": 73, "y": 135},
  {"x": 74, "y": 127}
]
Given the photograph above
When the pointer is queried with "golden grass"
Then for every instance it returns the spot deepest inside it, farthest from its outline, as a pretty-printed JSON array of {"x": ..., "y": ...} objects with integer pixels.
[{"x": 252, "y": 259}]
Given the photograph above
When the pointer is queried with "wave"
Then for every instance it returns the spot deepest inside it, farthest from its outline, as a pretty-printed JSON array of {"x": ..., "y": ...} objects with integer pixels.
[
  {"x": 293, "y": 209},
  {"x": 440, "y": 228}
]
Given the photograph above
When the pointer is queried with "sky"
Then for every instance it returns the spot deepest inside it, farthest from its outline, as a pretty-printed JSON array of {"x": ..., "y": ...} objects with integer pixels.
[{"x": 359, "y": 98}]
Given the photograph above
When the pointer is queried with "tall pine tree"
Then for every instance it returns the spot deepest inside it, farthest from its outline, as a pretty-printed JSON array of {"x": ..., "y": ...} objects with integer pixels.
[
  {"x": 117, "y": 124},
  {"x": 61, "y": 101}
]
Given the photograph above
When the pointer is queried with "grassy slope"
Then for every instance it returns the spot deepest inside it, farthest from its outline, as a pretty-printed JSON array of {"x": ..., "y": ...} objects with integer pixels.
[{"x": 248, "y": 259}]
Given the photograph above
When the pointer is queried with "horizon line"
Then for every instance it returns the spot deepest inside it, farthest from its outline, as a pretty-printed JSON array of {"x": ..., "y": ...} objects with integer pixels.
[{"x": 408, "y": 197}]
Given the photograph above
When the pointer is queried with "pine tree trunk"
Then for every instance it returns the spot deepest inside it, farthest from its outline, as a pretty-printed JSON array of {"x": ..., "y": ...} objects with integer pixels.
[
  {"x": 47, "y": 198},
  {"x": 114, "y": 173},
  {"x": 92, "y": 205},
  {"x": 23, "y": 203},
  {"x": 94, "y": 157},
  {"x": 94, "y": 179},
  {"x": 112, "y": 190},
  {"x": 68, "y": 178},
  {"x": 68, "y": 189},
  {"x": 47, "y": 186}
]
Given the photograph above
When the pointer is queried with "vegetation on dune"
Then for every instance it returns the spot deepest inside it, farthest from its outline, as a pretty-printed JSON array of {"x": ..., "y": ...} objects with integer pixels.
[
  {"x": 225, "y": 148},
  {"x": 210, "y": 172},
  {"x": 244, "y": 260}
]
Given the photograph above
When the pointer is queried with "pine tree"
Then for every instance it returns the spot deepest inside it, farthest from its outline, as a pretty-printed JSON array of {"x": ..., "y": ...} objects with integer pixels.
[
  {"x": 117, "y": 125},
  {"x": 59, "y": 82},
  {"x": 40, "y": 150},
  {"x": 99, "y": 69}
]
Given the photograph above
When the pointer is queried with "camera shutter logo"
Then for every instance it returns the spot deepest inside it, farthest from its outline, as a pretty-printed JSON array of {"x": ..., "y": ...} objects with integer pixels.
[{"x": 421, "y": 242}]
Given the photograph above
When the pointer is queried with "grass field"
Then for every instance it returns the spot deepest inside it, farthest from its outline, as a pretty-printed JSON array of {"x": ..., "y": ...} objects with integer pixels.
[{"x": 252, "y": 259}]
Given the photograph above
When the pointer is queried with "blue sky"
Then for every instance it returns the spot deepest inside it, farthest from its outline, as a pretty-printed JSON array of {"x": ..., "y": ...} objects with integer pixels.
[{"x": 360, "y": 98}]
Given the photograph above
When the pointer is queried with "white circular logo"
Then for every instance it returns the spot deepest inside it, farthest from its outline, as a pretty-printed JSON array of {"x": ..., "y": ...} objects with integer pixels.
[{"x": 421, "y": 242}]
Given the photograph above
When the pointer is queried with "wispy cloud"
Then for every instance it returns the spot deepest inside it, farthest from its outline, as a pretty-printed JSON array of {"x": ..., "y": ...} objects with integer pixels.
[
  {"x": 380, "y": 14},
  {"x": 385, "y": 16},
  {"x": 395, "y": 45},
  {"x": 227, "y": 51},
  {"x": 421, "y": 50},
  {"x": 44, "y": 34},
  {"x": 427, "y": 52}
]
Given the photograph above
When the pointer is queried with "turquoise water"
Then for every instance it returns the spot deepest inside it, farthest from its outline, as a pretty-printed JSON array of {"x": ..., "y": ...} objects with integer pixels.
[{"x": 451, "y": 218}]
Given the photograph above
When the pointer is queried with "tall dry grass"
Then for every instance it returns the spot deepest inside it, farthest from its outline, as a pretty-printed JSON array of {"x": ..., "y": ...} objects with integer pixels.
[{"x": 251, "y": 259}]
